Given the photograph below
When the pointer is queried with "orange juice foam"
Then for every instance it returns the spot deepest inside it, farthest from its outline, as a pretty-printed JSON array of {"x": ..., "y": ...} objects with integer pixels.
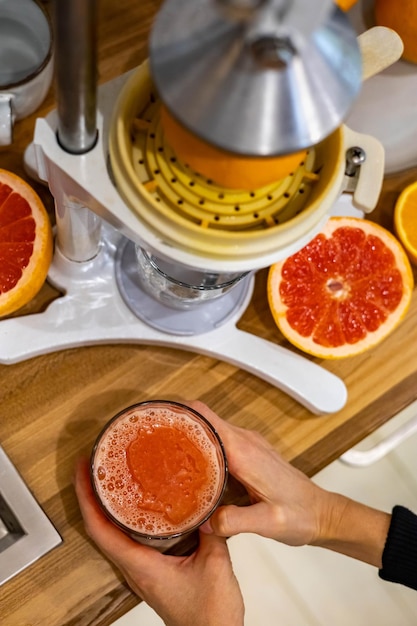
[{"x": 157, "y": 469}]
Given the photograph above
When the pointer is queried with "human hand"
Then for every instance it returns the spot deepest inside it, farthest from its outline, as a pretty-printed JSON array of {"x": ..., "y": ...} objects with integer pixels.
[
  {"x": 196, "y": 590},
  {"x": 287, "y": 505}
]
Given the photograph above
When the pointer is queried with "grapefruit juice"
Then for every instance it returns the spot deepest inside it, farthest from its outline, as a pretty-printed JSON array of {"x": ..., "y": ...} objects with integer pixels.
[{"x": 158, "y": 470}]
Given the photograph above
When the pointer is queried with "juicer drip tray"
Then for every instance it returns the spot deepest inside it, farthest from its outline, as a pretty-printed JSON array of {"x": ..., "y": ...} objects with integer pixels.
[{"x": 199, "y": 318}]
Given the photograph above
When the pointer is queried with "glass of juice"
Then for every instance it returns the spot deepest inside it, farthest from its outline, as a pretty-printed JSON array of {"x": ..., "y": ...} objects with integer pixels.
[{"x": 158, "y": 470}]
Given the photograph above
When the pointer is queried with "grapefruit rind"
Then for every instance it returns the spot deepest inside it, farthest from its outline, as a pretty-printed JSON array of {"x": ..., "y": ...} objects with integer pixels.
[
  {"x": 405, "y": 220},
  {"x": 306, "y": 344},
  {"x": 403, "y": 22},
  {"x": 35, "y": 273},
  {"x": 226, "y": 169}
]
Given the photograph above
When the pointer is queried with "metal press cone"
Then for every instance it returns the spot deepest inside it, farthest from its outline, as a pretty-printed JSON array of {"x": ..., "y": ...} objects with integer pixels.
[{"x": 239, "y": 75}]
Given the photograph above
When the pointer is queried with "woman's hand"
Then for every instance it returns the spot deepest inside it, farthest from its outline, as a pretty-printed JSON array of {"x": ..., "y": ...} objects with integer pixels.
[
  {"x": 196, "y": 590},
  {"x": 287, "y": 505}
]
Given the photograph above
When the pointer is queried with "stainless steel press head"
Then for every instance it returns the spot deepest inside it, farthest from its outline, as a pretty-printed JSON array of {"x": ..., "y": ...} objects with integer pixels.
[{"x": 256, "y": 77}]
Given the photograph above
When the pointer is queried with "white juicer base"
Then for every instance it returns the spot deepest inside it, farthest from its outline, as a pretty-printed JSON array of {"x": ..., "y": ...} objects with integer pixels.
[{"x": 92, "y": 311}]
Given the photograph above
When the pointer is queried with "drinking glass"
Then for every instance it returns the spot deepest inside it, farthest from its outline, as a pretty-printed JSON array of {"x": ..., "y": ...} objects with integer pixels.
[{"x": 158, "y": 470}]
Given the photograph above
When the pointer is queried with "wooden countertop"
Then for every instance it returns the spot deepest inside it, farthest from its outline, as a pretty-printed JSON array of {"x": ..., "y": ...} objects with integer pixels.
[{"x": 53, "y": 406}]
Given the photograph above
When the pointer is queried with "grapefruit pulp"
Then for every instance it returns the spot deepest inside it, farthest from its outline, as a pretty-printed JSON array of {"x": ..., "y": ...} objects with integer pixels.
[
  {"x": 25, "y": 243},
  {"x": 344, "y": 292}
]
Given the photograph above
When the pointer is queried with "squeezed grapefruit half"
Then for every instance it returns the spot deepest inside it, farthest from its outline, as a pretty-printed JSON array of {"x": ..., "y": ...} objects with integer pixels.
[
  {"x": 344, "y": 292},
  {"x": 26, "y": 243},
  {"x": 226, "y": 169}
]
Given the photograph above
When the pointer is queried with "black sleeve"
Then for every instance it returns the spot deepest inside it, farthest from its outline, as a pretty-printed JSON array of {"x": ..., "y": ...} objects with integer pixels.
[{"x": 399, "y": 558}]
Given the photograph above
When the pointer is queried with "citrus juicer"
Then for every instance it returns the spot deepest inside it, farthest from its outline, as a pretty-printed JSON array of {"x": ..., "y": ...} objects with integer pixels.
[{"x": 116, "y": 186}]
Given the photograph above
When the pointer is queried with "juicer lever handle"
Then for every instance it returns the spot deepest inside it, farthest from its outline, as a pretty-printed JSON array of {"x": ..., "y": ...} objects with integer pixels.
[
  {"x": 311, "y": 385},
  {"x": 380, "y": 47}
]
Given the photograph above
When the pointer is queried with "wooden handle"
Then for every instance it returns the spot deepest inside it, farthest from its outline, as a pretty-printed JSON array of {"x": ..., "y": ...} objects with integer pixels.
[{"x": 380, "y": 47}]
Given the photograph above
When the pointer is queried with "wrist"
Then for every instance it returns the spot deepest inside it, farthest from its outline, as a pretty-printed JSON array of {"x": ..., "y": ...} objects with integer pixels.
[{"x": 353, "y": 529}]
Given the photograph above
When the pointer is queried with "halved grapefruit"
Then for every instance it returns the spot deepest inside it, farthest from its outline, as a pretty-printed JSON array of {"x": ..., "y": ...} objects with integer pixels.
[
  {"x": 344, "y": 292},
  {"x": 25, "y": 243}
]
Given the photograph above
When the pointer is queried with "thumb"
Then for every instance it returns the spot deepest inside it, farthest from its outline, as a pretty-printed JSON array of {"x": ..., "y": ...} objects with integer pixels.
[
  {"x": 231, "y": 520},
  {"x": 210, "y": 542}
]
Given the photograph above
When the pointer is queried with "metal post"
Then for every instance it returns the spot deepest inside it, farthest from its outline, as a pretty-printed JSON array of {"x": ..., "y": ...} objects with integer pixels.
[
  {"x": 76, "y": 73},
  {"x": 78, "y": 228}
]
